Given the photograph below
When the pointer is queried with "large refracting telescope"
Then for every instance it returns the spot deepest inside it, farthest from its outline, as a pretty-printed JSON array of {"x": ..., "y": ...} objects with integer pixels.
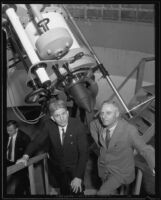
[{"x": 61, "y": 58}]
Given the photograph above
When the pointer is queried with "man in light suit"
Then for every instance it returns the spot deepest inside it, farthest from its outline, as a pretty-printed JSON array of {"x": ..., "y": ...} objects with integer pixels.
[
  {"x": 66, "y": 140},
  {"x": 116, "y": 164},
  {"x": 16, "y": 145}
]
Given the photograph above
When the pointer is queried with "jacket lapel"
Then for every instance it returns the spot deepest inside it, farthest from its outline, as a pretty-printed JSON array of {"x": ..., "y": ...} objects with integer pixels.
[
  {"x": 68, "y": 131},
  {"x": 57, "y": 137},
  {"x": 55, "y": 133},
  {"x": 17, "y": 141}
]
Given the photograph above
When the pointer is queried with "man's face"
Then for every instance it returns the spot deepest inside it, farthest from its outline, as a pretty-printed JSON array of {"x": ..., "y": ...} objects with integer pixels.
[
  {"x": 61, "y": 116},
  {"x": 11, "y": 130},
  {"x": 109, "y": 114}
]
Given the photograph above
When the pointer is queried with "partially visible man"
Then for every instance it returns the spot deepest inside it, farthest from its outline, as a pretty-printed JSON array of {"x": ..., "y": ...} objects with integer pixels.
[
  {"x": 117, "y": 140},
  {"x": 16, "y": 145},
  {"x": 66, "y": 140}
]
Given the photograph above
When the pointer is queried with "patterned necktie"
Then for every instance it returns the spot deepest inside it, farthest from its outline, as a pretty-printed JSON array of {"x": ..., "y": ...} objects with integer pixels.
[
  {"x": 107, "y": 138},
  {"x": 63, "y": 135},
  {"x": 10, "y": 149}
]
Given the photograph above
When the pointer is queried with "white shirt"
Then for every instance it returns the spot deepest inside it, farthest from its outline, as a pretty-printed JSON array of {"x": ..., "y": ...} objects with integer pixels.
[
  {"x": 111, "y": 131},
  {"x": 61, "y": 131},
  {"x": 13, "y": 146}
]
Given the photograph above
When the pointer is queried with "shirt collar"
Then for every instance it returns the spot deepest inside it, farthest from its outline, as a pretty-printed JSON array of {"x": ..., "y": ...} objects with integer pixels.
[
  {"x": 52, "y": 118},
  {"x": 60, "y": 127},
  {"x": 14, "y": 136},
  {"x": 112, "y": 129},
  {"x": 64, "y": 127}
]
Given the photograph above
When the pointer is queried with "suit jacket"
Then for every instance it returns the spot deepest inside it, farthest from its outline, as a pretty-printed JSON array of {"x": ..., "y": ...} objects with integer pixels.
[
  {"x": 118, "y": 159},
  {"x": 71, "y": 155},
  {"x": 21, "y": 142}
]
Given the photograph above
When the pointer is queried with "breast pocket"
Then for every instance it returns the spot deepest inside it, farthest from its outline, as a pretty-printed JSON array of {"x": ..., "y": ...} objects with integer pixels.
[{"x": 119, "y": 146}]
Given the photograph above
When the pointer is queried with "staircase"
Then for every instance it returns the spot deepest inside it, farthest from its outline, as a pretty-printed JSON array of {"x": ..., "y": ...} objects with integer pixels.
[{"x": 142, "y": 107}]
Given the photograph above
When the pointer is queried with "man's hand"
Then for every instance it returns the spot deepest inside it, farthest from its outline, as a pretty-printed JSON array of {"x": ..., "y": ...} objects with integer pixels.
[
  {"x": 23, "y": 160},
  {"x": 76, "y": 185},
  {"x": 153, "y": 171}
]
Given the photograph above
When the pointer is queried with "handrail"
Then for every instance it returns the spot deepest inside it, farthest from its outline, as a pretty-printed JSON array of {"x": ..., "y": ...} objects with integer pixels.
[
  {"x": 14, "y": 168},
  {"x": 143, "y": 60}
]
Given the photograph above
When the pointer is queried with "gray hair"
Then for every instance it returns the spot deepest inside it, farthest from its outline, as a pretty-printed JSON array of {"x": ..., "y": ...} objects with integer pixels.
[{"x": 110, "y": 102}]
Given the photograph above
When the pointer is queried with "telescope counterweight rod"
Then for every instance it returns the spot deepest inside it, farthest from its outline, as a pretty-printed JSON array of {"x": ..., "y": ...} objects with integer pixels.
[{"x": 99, "y": 64}]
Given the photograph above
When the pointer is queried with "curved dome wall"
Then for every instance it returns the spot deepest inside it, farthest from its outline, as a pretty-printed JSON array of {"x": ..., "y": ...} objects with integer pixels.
[{"x": 132, "y": 36}]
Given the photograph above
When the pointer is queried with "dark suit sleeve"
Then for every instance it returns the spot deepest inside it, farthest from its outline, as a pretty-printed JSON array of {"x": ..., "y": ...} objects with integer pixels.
[
  {"x": 145, "y": 150},
  {"x": 39, "y": 141},
  {"x": 26, "y": 140},
  {"x": 94, "y": 130},
  {"x": 83, "y": 150},
  {"x": 21, "y": 143}
]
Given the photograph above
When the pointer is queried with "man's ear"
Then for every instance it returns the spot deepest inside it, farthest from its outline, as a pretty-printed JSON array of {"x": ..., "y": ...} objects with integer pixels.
[
  {"x": 52, "y": 118},
  {"x": 117, "y": 113},
  {"x": 68, "y": 113}
]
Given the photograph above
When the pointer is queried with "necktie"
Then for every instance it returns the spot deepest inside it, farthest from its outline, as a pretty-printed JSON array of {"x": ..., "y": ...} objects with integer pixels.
[
  {"x": 10, "y": 149},
  {"x": 107, "y": 138},
  {"x": 63, "y": 135}
]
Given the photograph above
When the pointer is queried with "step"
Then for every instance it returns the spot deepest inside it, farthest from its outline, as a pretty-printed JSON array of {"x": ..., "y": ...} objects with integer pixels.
[
  {"x": 152, "y": 109},
  {"x": 140, "y": 124},
  {"x": 148, "y": 116},
  {"x": 152, "y": 106},
  {"x": 54, "y": 191},
  {"x": 150, "y": 89},
  {"x": 90, "y": 191}
]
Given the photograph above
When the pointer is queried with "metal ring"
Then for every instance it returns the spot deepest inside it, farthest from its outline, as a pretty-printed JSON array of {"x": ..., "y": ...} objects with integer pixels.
[{"x": 32, "y": 94}]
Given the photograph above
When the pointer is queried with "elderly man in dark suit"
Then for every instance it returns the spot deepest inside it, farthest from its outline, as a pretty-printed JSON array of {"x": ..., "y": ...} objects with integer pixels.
[
  {"x": 16, "y": 145},
  {"x": 67, "y": 147},
  {"x": 117, "y": 140}
]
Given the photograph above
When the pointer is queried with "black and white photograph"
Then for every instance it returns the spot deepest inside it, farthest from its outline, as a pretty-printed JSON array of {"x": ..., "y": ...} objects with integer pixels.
[{"x": 80, "y": 86}]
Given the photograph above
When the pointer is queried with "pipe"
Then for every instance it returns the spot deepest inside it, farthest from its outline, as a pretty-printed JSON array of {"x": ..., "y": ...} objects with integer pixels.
[{"x": 10, "y": 12}]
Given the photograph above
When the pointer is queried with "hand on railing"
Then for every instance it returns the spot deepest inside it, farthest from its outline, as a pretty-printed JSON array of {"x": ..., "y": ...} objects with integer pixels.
[
  {"x": 26, "y": 162},
  {"x": 23, "y": 160}
]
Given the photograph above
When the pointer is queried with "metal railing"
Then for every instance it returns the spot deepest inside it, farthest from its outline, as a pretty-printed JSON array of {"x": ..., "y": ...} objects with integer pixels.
[{"x": 139, "y": 69}]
